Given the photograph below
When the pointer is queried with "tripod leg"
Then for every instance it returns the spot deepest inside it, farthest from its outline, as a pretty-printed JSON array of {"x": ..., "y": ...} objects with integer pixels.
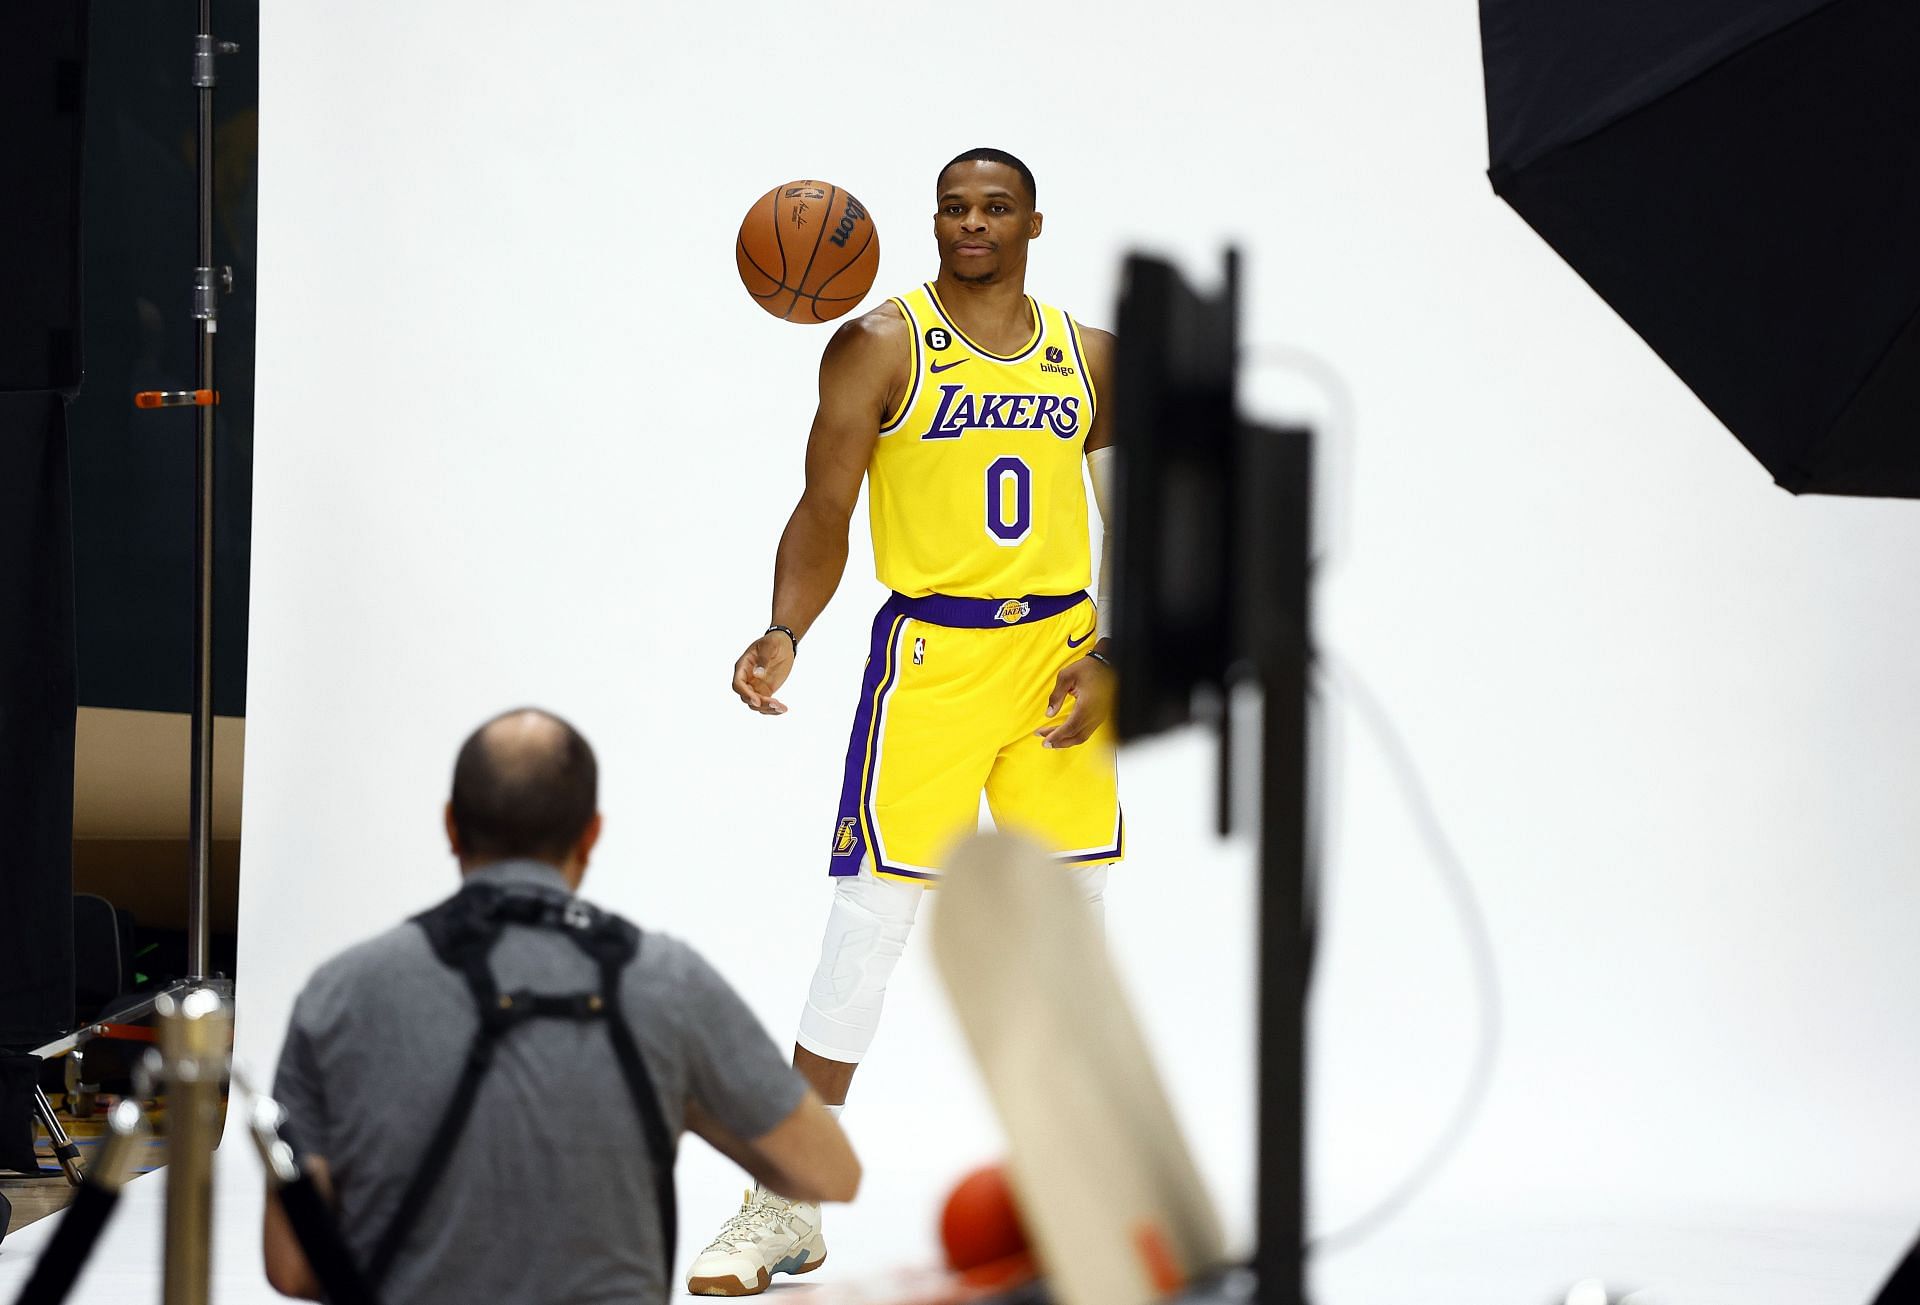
[{"x": 63, "y": 1148}]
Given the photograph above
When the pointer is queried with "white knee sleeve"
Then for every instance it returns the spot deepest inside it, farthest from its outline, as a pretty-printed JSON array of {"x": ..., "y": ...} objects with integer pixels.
[
  {"x": 867, "y": 930},
  {"x": 1092, "y": 883}
]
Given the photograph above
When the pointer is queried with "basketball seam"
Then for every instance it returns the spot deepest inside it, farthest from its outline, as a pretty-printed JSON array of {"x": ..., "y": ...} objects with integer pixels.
[
  {"x": 799, "y": 290},
  {"x": 747, "y": 254},
  {"x": 872, "y": 231},
  {"x": 817, "y": 299},
  {"x": 741, "y": 246}
]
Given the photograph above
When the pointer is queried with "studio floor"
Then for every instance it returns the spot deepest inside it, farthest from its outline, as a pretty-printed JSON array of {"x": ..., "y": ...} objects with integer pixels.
[{"x": 1434, "y": 1255}]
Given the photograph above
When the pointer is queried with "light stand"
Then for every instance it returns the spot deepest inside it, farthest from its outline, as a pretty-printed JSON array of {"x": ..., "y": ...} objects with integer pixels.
[
  {"x": 1213, "y": 561},
  {"x": 209, "y": 283},
  {"x": 191, "y": 1068},
  {"x": 59, "y": 1265},
  {"x": 1275, "y": 526},
  {"x": 64, "y": 1150}
]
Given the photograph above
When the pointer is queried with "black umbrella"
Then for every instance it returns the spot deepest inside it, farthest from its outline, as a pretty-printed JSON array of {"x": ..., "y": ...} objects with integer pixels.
[{"x": 1740, "y": 179}]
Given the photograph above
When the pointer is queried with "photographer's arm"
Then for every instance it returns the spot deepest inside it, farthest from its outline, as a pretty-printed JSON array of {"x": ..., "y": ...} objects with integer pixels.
[
  {"x": 287, "y": 1269},
  {"x": 805, "y": 1157}
]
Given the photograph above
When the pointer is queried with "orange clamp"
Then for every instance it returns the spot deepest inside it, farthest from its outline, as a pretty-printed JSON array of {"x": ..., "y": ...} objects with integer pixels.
[{"x": 176, "y": 398}]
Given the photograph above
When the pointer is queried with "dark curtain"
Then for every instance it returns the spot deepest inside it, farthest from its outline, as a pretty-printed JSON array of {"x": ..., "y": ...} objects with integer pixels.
[
  {"x": 133, "y": 471},
  {"x": 42, "y": 101},
  {"x": 36, "y": 721}
]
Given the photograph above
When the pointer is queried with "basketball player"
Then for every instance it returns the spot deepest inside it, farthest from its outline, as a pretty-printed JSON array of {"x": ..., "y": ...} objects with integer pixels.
[{"x": 968, "y": 407}]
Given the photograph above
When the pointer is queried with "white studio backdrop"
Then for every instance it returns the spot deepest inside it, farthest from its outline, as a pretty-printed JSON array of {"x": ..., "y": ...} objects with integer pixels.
[{"x": 522, "y": 438}]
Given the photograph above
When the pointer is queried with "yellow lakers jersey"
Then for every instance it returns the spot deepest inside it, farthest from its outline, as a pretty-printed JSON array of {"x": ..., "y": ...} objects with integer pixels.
[{"x": 975, "y": 486}]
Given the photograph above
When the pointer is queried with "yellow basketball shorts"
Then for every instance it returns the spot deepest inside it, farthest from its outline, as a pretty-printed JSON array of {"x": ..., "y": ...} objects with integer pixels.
[{"x": 953, "y": 692}]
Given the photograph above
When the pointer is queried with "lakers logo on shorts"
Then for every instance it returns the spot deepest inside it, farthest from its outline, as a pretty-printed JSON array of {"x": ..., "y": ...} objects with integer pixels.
[
  {"x": 843, "y": 837},
  {"x": 1013, "y": 611}
]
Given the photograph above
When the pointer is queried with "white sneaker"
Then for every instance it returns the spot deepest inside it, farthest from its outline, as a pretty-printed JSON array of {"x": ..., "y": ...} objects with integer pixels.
[{"x": 769, "y": 1235}]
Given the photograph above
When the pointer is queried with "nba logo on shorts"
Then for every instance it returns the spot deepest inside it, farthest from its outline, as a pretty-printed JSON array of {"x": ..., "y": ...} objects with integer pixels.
[
  {"x": 1012, "y": 611},
  {"x": 843, "y": 837},
  {"x": 919, "y": 652}
]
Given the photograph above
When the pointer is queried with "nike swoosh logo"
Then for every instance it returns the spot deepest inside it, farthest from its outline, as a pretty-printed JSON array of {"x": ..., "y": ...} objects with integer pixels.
[
  {"x": 937, "y": 368},
  {"x": 1075, "y": 643}
]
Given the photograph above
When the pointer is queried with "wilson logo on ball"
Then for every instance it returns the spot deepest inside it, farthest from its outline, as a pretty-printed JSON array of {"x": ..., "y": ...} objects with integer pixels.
[{"x": 848, "y": 220}]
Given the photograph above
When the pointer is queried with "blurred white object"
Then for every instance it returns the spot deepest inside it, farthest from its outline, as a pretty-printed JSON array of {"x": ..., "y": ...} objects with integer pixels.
[{"x": 1590, "y": 1291}]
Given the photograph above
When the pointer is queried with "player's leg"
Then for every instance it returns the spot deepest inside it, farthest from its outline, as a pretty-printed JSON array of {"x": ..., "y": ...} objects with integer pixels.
[
  {"x": 1065, "y": 799},
  {"x": 914, "y": 772},
  {"x": 1091, "y": 880},
  {"x": 866, "y": 934},
  {"x": 1072, "y": 810},
  {"x": 867, "y": 928},
  {"x": 919, "y": 755}
]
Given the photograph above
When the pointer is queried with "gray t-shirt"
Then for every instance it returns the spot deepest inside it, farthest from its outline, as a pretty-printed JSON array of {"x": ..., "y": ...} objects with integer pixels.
[{"x": 548, "y": 1196}]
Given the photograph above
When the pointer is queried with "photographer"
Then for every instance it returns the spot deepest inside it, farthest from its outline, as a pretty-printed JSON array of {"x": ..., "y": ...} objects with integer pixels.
[{"x": 434, "y": 1075}]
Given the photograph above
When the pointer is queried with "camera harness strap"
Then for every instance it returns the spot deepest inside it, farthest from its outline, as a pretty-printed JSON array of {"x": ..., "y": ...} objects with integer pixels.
[{"x": 463, "y": 931}]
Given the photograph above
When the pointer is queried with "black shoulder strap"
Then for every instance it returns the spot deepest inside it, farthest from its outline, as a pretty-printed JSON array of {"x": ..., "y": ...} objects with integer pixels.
[
  {"x": 614, "y": 943},
  {"x": 462, "y": 932}
]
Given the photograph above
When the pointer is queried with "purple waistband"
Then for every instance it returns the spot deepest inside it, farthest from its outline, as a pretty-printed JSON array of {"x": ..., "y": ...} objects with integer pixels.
[{"x": 984, "y": 613}]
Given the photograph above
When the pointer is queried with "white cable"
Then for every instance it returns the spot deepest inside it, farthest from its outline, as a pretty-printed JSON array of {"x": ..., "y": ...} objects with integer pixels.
[{"x": 1478, "y": 938}]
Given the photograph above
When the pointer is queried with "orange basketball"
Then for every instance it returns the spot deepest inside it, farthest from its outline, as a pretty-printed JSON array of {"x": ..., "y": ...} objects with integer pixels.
[
  {"x": 807, "y": 251},
  {"x": 981, "y": 1231}
]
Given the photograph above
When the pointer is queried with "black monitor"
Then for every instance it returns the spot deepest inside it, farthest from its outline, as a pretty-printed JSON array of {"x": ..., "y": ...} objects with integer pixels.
[{"x": 1176, "y": 430}]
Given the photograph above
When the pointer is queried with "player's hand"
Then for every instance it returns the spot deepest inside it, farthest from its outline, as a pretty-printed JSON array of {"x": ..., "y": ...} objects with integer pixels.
[
  {"x": 1091, "y": 684},
  {"x": 761, "y": 670}
]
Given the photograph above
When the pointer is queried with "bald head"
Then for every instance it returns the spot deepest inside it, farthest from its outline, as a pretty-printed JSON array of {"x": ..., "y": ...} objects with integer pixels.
[{"x": 525, "y": 785}]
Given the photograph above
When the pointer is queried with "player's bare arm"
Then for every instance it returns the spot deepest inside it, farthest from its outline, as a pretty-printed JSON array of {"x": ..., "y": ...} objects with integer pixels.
[
  {"x": 1099, "y": 345},
  {"x": 1089, "y": 683},
  {"x": 863, "y": 374}
]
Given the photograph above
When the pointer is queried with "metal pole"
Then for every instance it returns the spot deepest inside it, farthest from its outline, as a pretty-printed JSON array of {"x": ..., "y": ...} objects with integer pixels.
[
  {"x": 1276, "y": 538},
  {"x": 206, "y": 295},
  {"x": 196, "y": 1036},
  {"x": 63, "y": 1148}
]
